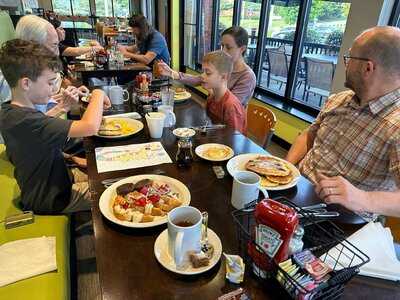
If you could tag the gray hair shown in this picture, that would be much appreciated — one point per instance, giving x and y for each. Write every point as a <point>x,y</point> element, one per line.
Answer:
<point>383,47</point>
<point>32,28</point>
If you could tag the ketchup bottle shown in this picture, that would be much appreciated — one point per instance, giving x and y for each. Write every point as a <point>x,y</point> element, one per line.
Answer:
<point>275,225</point>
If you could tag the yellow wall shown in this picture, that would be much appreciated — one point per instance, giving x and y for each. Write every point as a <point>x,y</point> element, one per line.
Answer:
<point>175,23</point>
<point>287,127</point>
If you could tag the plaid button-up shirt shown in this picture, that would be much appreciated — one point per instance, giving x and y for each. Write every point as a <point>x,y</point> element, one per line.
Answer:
<point>360,143</point>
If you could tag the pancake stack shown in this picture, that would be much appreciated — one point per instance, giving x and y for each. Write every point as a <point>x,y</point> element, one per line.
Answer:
<point>273,172</point>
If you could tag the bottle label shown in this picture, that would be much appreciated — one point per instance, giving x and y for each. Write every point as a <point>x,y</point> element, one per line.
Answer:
<point>268,239</point>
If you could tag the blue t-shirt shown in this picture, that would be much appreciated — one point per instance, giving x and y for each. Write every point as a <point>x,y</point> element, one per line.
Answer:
<point>158,45</point>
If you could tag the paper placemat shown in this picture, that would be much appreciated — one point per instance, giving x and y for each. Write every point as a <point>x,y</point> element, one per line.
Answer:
<point>130,156</point>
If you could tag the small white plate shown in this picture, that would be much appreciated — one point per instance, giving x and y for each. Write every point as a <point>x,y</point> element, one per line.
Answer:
<point>202,149</point>
<point>163,257</point>
<point>182,96</point>
<point>238,163</point>
<point>108,196</point>
<point>183,132</point>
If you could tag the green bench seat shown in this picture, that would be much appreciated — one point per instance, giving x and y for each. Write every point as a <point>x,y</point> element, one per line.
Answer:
<point>52,285</point>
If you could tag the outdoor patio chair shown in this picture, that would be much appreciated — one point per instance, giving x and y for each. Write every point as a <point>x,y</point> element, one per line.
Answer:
<point>319,75</point>
<point>278,66</point>
<point>260,124</point>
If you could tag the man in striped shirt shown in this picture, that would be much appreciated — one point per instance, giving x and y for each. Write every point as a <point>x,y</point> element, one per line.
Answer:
<point>352,150</point>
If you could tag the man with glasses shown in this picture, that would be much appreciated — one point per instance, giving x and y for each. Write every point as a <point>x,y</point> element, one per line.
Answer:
<point>352,150</point>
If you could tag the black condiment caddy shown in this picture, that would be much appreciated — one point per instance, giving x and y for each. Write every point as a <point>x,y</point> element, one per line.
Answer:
<point>320,236</point>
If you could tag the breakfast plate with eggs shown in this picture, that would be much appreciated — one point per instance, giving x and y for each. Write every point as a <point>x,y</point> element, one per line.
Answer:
<point>181,95</point>
<point>112,128</point>
<point>214,152</point>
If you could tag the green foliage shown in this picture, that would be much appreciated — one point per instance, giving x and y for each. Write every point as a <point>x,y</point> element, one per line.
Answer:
<point>226,5</point>
<point>320,11</point>
<point>335,38</point>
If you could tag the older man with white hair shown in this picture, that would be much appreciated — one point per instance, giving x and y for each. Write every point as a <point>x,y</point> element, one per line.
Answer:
<point>352,150</point>
<point>34,28</point>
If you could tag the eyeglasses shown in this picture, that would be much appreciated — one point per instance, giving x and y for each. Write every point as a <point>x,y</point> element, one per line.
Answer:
<point>346,58</point>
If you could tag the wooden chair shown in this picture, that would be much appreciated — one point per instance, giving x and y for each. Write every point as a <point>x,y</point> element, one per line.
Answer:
<point>260,124</point>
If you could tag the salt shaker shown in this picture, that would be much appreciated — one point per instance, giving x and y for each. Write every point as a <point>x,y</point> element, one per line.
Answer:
<point>296,243</point>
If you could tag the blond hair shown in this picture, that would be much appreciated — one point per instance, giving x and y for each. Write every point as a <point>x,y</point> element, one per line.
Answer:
<point>220,60</point>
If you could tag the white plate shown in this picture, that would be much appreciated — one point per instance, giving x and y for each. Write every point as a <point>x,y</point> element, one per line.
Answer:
<point>200,151</point>
<point>107,198</point>
<point>238,163</point>
<point>182,96</point>
<point>183,132</point>
<point>163,257</point>
<point>137,125</point>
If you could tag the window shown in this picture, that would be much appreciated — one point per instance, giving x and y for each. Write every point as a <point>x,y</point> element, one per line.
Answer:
<point>205,29</point>
<point>80,7</point>
<point>62,7</point>
<point>319,51</point>
<point>250,20</point>
<point>73,7</point>
<point>121,8</point>
<point>278,48</point>
<point>189,33</point>
<point>294,62</point>
<point>225,18</point>
<point>104,8</point>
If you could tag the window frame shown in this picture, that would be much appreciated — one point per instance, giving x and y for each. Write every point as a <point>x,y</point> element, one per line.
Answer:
<point>302,19</point>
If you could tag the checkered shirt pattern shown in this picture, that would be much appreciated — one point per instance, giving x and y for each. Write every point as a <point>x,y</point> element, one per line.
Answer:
<point>360,143</point>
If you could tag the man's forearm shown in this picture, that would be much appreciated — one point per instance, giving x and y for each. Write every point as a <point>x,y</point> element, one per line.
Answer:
<point>383,203</point>
<point>299,148</point>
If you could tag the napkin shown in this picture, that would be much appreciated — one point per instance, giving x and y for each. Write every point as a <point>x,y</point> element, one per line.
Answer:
<point>26,258</point>
<point>131,115</point>
<point>375,241</point>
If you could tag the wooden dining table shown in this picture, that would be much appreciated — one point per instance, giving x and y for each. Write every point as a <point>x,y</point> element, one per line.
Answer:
<point>126,263</point>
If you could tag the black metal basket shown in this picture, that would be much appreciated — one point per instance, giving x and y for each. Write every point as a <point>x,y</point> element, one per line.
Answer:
<point>323,238</point>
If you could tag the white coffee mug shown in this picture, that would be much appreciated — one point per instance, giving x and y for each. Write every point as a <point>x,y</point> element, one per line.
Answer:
<point>155,123</point>
<point>118,95</point>
<point>170,118</point>
<point>245,188</point>
<point>184,233</point>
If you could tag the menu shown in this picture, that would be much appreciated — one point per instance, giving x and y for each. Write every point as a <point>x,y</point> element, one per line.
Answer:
<point>130,156</point>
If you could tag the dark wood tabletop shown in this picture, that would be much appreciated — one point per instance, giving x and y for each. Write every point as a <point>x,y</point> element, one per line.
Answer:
<point>129,69</point>
<point>125,257</point>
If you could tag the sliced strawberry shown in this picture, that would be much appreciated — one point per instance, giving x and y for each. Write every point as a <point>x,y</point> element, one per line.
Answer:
<point>154,198</point>
<point>140,202</point>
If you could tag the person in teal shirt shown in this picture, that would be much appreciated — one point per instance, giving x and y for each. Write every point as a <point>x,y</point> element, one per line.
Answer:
<point>150,46</point>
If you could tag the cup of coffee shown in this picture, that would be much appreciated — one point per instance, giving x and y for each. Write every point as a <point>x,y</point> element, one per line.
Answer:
<point>155,123</point>
<point>170,118</point>
<point>184,233</point>
<point>118,95</point>
<point>245,188</point>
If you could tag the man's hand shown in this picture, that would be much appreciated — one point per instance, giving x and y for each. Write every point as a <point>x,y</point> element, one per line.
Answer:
<point>340,191</point>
